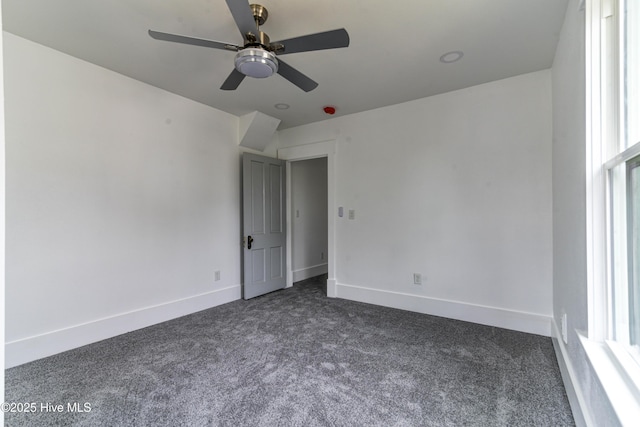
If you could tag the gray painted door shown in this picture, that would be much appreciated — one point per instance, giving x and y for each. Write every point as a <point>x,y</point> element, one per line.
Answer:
<point>264,227</point>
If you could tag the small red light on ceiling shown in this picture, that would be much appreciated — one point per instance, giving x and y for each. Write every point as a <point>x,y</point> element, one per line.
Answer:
<point>329,110</point>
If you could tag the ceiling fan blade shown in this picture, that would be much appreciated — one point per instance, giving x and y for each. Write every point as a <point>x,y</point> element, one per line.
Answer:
<point>241,12</point>
<point>233,81</point>
<point>318,41</point>
<point>296,77</point>
<point>193,41</point>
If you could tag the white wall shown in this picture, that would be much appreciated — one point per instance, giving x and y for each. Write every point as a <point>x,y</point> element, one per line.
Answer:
<point>2,216</point>
<point>309,218</point>
<point>569,221</point>
<point>121,203</point>
<point>456,187</point>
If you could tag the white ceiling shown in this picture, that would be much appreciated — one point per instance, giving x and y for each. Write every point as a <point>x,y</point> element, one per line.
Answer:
<point>393,56</point>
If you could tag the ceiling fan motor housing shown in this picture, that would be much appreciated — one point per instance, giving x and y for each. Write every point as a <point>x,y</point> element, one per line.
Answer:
<point>256,59</point>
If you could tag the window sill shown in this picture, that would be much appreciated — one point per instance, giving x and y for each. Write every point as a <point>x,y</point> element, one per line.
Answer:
<point>618,373</point>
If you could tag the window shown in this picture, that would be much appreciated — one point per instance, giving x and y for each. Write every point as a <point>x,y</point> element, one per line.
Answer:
<point>612,56</point>
<point>633,221</point>
<point>621,147</point>
<point>624,252</point>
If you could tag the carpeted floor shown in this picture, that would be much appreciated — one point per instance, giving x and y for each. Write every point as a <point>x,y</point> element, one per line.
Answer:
<point>298,358</point>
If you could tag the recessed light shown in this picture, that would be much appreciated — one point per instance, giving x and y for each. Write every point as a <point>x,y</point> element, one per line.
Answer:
<point>282,106</point>
<point>450,57</point>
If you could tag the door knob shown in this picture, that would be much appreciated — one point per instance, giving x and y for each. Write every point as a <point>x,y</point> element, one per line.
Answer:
<point>249,242</point>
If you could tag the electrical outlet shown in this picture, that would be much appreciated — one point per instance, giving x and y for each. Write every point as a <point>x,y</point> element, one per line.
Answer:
<point>565,337</point>
<point>352,214</point>
<point>322,255</point>
<point>217,275</point>
<point>417,279</point>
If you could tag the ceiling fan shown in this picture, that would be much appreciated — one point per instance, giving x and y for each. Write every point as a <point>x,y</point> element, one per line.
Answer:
<point>257,56</point>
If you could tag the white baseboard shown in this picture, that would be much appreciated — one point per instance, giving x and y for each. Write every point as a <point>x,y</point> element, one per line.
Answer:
<point>32,348</point>
<point>313,271</point>
<point>574,394</point>
<point>509,319</point>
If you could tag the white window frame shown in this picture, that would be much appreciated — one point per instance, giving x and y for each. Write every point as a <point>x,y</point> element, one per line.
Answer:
<point>617,370</point>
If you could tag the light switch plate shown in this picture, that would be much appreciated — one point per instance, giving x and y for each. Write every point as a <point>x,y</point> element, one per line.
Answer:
<point>417,279</point>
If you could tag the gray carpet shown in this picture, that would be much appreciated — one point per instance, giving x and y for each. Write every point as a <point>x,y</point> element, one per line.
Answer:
<point>298,358</point>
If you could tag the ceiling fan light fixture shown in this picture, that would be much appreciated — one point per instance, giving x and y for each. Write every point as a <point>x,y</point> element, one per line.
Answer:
<point>256,62</point>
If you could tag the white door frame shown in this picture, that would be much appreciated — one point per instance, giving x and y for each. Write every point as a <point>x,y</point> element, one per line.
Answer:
<point>305,152</point>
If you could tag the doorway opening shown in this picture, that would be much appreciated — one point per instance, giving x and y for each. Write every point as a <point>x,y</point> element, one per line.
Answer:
<point>324,150</point>
<point>309,219</point>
